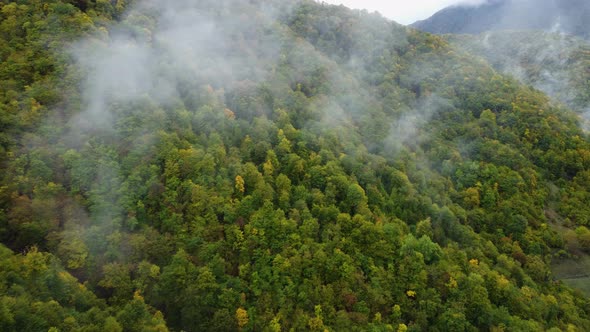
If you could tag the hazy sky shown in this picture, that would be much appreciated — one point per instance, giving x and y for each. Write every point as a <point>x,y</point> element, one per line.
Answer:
<point>402,11</point>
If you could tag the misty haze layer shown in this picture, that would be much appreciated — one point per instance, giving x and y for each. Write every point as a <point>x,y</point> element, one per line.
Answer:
<point>163,51</point>
<point>172,54</point>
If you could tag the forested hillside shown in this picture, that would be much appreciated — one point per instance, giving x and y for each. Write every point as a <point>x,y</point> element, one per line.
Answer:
<point>556,64</point>
<point>274,166</point>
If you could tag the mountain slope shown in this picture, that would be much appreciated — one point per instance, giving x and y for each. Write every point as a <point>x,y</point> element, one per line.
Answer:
<point>280,165</point>
<point>567,16</point>
<point>553,63</point>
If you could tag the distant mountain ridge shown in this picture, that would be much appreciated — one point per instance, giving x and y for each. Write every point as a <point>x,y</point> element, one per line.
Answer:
<point>568,16</point>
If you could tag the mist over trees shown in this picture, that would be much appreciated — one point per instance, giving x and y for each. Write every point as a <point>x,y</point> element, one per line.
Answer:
<point>564,16</point>
<point>276,166</point>
<point>556,64</point>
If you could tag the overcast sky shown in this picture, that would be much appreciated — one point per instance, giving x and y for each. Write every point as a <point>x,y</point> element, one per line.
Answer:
<point>402,11</point>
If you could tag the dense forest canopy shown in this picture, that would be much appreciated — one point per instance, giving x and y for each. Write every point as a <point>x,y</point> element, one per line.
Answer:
<point>276,166</point>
